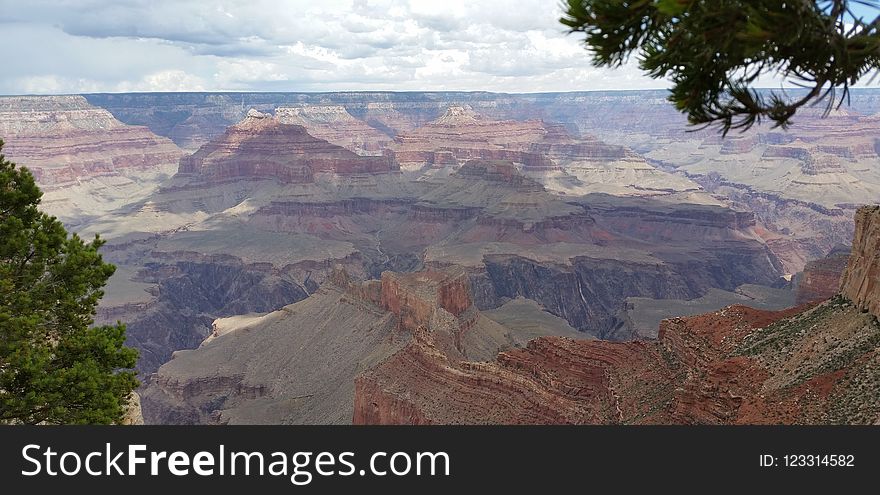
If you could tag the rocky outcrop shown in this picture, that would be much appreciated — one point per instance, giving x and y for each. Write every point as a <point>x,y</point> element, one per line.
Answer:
<point>292,366</point>
<point>861,280</point>
<point>63,139</point>
<point>261,146</point>
<point>133,414</point>
<point>812,364</point>
<point>85,160</point>
<point>460,135</point>
<point>501,171</point>
<point>820,279</point>
<point>727,367</point>
<point>334,124</point>
<point>299,364</point>
<point>413,298</point>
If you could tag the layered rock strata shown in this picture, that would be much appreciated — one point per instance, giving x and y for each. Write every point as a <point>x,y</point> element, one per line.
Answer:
<point>728,367</point>
<point>86,162</point>
<point>809,364</point>
<point>263,147</point>
<point>820,279</point>
<point>298,364</point>
<point>334,124</point>
<point>292,366</point>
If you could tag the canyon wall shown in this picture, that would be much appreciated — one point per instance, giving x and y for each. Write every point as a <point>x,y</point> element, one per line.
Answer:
<point>830,162</point>
<point>821,278</point>
<point>727,367</point>
<point>86,161</point>
<point>861,280</point>
<point>815,363</point>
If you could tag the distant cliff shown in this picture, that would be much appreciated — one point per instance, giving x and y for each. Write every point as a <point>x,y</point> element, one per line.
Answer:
<point>820,278</point>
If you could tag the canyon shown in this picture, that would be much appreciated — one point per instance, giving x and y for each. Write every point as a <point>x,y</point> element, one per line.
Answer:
<point>449,243</point>
<point>256,219</point>
<point>771,173</point>
<point>814,363</point>
<point>426,355</point>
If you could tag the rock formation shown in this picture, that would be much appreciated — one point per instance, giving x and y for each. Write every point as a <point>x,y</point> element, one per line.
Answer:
<point>293,366</point>
<point>133,414</point>
<point>261,146</point>
<point>335,125</point>
<point>803,191</point>
<point>820,279</point>
<point>85,160</point>
<point>735,366</point>
<point>859,282</point>
<point>809,364</point>
<point>298,364</point>
<point>545,152</point>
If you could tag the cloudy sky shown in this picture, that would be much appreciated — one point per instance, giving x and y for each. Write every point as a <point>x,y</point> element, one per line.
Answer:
<point>77,46</point>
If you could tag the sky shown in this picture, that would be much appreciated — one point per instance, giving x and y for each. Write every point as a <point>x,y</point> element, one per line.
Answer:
<point>83,46</point>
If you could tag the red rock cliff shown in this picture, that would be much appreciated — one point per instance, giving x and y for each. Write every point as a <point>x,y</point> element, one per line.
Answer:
<point>63,140</point>
<point>414,297</point>
<point>262,147</point>
<point>810,364</point>
<point>820,278</point>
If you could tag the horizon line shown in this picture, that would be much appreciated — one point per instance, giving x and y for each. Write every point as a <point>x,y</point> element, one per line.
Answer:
<point>367,91</point>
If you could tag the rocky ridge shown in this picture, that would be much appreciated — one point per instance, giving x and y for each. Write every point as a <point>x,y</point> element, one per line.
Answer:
<point>275,368</point>
<point>821,278</point>
<point>334,124</point>
<point>86,161</point>
<point>261,146</point>
<point>809,364</point>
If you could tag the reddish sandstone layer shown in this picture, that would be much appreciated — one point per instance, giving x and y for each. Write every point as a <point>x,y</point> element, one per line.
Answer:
<point>809,364</point>
<point>414,297</point>
<point>63,139</point>
<point>820,279</point>
<point>696,373</point>
<point>262,147</point>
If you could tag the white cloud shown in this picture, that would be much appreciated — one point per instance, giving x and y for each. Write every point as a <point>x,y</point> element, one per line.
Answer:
<point>290,45</point>
<point>166,80</point>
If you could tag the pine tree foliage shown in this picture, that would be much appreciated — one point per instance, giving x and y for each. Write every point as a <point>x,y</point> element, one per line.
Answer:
<point>714,51</point>
<point>55,366</point>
